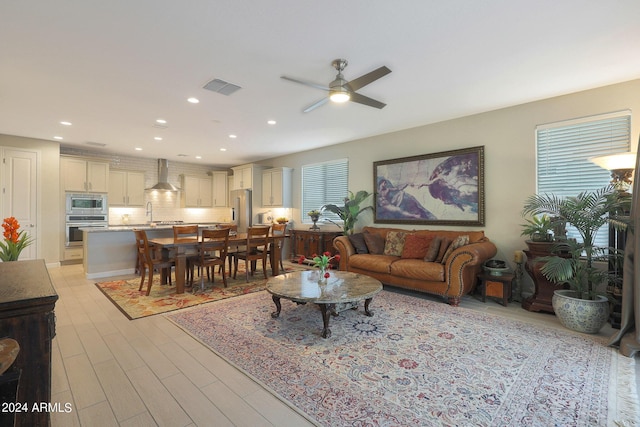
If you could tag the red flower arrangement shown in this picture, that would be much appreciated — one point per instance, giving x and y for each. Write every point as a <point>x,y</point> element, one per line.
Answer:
<point>323,262</point>
<point>14,241</point>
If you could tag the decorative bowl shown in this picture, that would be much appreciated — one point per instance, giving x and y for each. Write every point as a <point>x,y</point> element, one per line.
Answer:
<point>496,267</point>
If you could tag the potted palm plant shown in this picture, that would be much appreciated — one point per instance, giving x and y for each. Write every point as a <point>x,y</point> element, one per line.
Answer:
<point>580,307</point>
<point>350,211</point>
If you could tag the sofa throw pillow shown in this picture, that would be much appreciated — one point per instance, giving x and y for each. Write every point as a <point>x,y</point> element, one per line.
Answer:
<point>375,243</point>
<point>432,251</point>
<point>416,246</point>
<point>458,242</point>
<point>394,243</point>
<point>357,240</point>
<point>444,245</point>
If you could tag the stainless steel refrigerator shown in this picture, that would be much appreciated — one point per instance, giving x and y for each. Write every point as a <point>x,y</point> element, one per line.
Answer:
<point>240,201</point>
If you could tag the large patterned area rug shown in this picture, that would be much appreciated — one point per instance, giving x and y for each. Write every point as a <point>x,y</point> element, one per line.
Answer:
<point>135,304</point>
<point>417,362</point>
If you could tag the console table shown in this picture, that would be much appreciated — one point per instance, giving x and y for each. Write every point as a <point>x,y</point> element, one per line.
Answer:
<point>309,242</point>
<point>27,301</point>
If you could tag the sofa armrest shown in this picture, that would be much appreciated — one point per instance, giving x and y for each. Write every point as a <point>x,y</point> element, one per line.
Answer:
<point>345,249</point>
<point>465,263</point>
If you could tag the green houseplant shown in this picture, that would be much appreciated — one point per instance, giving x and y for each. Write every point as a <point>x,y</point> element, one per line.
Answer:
<point>587,212</point>
<point>350,211</point>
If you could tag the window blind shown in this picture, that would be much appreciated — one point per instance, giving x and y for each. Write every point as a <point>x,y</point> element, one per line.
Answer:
<point>324,183</point>
<point>564,150</point>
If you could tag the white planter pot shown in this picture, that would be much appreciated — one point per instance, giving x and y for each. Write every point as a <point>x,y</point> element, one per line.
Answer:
<point>581,315</point>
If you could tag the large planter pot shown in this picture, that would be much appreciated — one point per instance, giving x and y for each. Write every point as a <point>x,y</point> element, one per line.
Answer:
<point>581,315</point>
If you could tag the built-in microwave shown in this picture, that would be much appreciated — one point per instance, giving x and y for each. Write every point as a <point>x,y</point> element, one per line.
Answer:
<point>86,204</point>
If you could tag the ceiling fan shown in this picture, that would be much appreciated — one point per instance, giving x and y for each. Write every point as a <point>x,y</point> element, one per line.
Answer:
<point>341,90</point>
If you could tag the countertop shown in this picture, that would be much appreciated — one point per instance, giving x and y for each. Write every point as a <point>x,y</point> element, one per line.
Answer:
<point>130,227</point>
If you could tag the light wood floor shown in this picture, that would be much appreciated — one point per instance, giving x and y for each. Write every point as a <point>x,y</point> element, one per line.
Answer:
<point>147,372</point>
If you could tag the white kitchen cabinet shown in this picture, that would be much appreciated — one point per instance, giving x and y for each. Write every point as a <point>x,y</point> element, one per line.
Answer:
<point>242,177</point>
<point>83,175</point>
<point>126,188</point>
<point>220,191</point>
<point>248,177</point>
<point>276,187</point>
<point>197,192</point>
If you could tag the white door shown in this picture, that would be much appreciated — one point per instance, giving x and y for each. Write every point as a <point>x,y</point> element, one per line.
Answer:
<point>19,193</point>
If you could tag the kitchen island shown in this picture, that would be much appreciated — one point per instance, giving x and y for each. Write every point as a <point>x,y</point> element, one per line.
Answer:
<point>112,251</point>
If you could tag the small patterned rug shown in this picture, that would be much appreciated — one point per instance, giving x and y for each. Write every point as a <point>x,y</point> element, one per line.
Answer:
<point>135,304</point>
<point>418,362</point>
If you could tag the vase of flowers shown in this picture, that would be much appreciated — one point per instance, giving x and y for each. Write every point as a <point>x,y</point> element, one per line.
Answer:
<point>323,262</point>
<point>14,240</point>
<point>314,215</point>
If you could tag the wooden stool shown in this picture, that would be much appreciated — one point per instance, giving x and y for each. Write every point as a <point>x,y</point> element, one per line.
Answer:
<point>496,286</point>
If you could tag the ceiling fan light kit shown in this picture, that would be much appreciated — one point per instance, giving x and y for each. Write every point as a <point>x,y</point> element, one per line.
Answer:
<point>341,90</point>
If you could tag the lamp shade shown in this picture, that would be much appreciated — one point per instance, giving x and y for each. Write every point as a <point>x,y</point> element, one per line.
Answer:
<point>616,161</point>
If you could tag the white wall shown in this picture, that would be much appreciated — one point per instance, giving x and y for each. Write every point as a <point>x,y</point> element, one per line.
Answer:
<point>509,139</point>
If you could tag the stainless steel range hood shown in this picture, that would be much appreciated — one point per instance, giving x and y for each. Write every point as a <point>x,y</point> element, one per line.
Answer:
<point>163,175</point>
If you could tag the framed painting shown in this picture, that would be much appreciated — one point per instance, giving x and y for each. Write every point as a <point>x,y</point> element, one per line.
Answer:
<point>444,188</point>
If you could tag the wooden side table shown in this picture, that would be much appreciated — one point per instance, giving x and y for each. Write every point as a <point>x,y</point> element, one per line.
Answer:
<point>496,286</point>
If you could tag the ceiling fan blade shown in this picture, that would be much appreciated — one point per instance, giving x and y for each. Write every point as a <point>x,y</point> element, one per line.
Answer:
<point>365,100</point>
<point>306,83</point>
<point>316,105</point>
<point>365,79</point>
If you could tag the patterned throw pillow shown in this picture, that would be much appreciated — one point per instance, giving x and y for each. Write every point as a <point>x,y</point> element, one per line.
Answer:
<point>416,246</point>
<point>457,243</point>
<point>444,245</point>
<point>394,243</point>
<point>434,248</point>
<point>375,243</point>
<point>357,240</point>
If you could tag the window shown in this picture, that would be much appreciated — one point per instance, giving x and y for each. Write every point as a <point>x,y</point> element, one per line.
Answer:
<point>324,183</point>
<point>564,150</point>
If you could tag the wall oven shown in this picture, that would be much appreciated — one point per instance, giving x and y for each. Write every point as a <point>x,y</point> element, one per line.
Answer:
<point>86,204</point>
<point>76,223</point>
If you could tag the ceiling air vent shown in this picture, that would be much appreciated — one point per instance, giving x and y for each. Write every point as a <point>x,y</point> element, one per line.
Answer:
<point>96,144</point>
<point>220,86</point>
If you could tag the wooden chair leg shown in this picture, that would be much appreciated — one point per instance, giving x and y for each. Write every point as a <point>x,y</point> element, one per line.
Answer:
<point>224,276</point>
<point>143,271</point>
<point>150,281</point>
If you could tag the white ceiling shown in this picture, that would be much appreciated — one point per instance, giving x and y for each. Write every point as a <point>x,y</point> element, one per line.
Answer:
<point>113,67</point>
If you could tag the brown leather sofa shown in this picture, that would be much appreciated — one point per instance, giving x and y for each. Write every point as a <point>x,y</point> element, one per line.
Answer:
<point>452,279</point>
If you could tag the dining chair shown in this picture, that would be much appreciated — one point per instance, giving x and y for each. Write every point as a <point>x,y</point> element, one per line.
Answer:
<point>151,260</point>
<point>183,232</point>
<point>212,251</point>
<point>233,230</point>
<point>276,245</point>
<point>255,250</point>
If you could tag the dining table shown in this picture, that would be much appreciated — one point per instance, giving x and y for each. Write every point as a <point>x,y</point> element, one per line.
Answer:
<point>180,247</point>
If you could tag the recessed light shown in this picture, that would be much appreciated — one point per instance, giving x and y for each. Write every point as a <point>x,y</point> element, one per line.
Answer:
<point>198,157</point>
<point>271,122</point>
<point>193,100</point>
<point>65,123</point>
<point>138,149</point>
<point>157,138</point>
<point>223,149</point>
<point>57,137</point>
<point>161,121</point>
<point>232,136</point>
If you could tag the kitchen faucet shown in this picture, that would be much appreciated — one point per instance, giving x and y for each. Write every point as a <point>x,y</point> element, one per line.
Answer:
<point>149,211</point>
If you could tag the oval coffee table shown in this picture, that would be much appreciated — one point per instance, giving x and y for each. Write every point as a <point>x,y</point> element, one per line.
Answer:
<point>341,291</point>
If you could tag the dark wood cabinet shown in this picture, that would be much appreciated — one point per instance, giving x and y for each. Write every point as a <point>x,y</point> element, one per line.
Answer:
<point>27,302</point>
<point>310,242</point>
